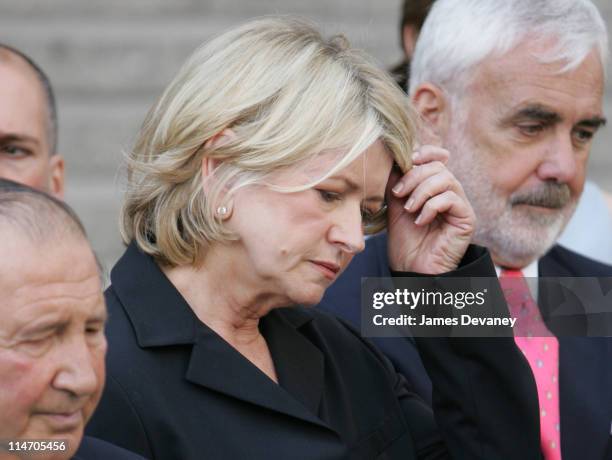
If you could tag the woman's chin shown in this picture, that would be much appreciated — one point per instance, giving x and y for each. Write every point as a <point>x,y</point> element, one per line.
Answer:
<point>310,297</point>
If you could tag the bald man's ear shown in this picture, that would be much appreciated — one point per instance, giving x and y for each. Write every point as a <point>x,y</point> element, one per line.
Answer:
<point>432,104</point>
<point>409,38</point>
<point>56,176</point>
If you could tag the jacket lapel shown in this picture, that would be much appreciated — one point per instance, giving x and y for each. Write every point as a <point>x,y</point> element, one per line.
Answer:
<point>300,365</point>
<point>585,377</point>
<point>216,365</point>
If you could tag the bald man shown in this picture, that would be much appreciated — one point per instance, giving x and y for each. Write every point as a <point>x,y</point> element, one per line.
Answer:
<point>52,343</point>
<point>28,125</point>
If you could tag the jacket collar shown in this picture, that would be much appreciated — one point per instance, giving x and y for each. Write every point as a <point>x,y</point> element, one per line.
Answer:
<point>551,264</point>
<point>151,301</point>
<point>160,316</point>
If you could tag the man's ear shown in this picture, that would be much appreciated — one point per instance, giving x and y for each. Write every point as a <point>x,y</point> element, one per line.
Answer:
<point>432,104</point>
<point>56,176</point>
<point>409,38</point>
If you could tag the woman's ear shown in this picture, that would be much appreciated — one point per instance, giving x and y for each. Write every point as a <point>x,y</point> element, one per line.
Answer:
<point>432,104</point>
<point>223,209</point>
<point>210,164</point>
<point>222,137</point>
<point>208,167</point>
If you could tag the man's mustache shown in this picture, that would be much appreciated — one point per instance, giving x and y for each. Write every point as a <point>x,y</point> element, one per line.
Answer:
<point>549,195</point>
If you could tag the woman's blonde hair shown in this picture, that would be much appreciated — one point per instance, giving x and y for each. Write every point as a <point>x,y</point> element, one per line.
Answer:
<point>287,93</point>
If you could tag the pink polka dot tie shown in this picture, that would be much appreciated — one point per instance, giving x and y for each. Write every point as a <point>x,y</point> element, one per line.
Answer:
<point>541,349</point>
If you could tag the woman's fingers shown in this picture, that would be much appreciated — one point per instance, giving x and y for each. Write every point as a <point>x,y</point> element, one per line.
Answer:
<point>433,185</point>
<point>445,203</point>
<point>415,176</point>
<point>426,161</point>
<point>428,153</point>
<point>431,193</point>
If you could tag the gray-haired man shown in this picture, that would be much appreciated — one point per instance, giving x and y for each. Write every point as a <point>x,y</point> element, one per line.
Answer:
<point>514,88</point>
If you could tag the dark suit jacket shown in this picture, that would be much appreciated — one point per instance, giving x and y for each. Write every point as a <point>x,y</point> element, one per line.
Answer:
<point>96,449</point>
<point>176,390</point>
<point>585,364</point>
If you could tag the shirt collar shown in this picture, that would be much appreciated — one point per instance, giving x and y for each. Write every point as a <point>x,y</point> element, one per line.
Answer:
<point>531,272</point>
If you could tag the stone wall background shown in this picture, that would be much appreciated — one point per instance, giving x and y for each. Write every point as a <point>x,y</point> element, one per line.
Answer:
<point>109,59</point>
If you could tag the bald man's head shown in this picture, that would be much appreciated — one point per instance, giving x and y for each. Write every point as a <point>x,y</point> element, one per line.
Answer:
<point>36,215</point>
<point>28,124</point>
<point>9,54</point>
<point>52,343</point>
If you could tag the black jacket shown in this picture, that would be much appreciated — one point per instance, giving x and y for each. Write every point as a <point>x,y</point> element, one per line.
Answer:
<point>176,390</point>
<point>96,449</point>
<point>585,364</point>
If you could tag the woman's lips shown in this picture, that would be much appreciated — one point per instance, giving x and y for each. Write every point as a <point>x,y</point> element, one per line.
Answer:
<point>329,269</point>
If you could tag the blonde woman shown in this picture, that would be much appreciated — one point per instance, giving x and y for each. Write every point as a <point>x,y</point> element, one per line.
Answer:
<point>251,185</point>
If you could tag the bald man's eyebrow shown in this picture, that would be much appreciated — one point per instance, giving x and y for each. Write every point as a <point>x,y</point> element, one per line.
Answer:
<point>43,327</point>
<point>11,137</point>
<point>99,317</point>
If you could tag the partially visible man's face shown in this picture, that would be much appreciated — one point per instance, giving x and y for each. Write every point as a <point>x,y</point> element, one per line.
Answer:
<point>521,147</point>
<point>25,150</point>
<point>52,343</point>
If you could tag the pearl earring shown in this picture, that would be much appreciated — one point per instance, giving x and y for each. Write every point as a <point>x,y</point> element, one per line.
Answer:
<point>222,210</point>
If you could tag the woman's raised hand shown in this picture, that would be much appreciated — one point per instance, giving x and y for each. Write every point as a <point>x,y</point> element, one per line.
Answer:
<point>430,219</point>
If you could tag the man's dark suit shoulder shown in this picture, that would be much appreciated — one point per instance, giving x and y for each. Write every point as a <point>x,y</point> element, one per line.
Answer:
<point>97,449</point>
<point>560,261</point>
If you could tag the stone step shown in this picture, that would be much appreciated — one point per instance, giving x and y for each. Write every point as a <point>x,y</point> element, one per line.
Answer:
<point>125,59</point>
<point>139,9</point>
<point>93,136</point>
<point>97,203</point>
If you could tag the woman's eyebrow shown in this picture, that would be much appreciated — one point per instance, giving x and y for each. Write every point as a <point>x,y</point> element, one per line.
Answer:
<point>350,185</point>
<point>354,187</point>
